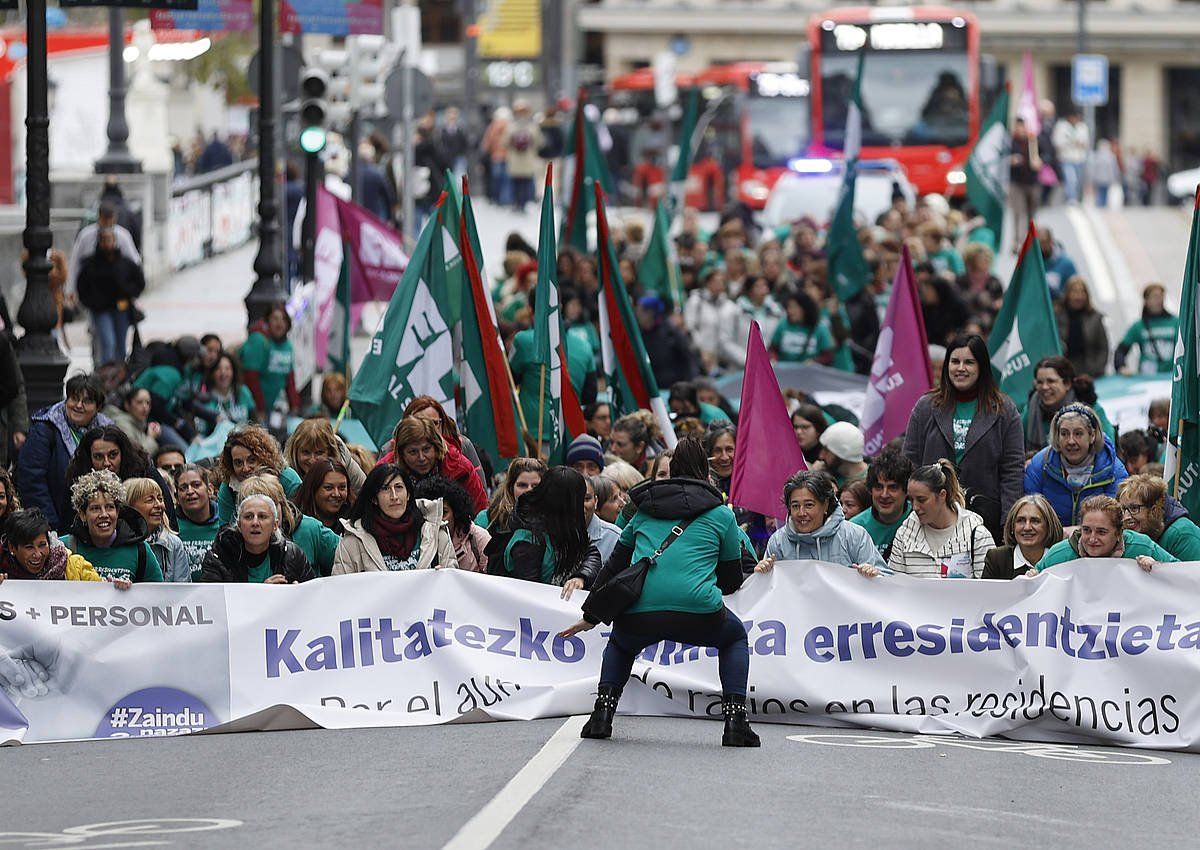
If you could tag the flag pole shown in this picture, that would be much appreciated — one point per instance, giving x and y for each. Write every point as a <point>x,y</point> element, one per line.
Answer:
<point>512,385</point>
<point>1179,436</point>
<point>541,410</point>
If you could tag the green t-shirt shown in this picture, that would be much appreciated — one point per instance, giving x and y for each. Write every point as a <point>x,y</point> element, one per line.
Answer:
<point>260,572</point>
<point>116,561</point>
<point>318,542</point>
<point>1182,539</point>
<point>882,534</point>
<point>237,408</point>
<point>1136,544</point>
<point>162,381</point>
<point>524,535</point>
<point>481,519</point>
<point>797,343</point>
<point>227,499</point>
<point>947,260</point>
<point>272,360</point>
<point>842,358</point>
<point>1155,341</point>
<point>685,577</point>
<point>964,412</point>
<point>197,540</point>
<point>711,413</point>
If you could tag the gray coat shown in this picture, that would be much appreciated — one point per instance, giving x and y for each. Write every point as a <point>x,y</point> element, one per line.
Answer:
<point>993,465</point>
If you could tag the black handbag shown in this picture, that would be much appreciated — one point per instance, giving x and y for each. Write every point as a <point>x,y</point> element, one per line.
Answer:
<point>610,600</point>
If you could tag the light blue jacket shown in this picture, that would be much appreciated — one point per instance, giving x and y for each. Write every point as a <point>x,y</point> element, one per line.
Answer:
<point>837,541</point>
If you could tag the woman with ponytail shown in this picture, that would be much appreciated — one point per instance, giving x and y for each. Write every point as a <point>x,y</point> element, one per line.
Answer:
<point>940,538</point>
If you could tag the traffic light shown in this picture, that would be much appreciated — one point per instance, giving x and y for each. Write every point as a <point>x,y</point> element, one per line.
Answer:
<point>314,110</point>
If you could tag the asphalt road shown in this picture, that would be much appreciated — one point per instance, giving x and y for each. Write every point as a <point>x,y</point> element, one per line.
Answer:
<point>658,783</point>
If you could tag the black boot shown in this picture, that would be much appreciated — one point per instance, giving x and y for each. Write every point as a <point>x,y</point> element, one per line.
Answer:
<point>737,729</point>
<point>599,725</point>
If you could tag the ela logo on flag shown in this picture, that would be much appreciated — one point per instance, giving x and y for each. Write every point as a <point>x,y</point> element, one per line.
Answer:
<point>1013,355</point>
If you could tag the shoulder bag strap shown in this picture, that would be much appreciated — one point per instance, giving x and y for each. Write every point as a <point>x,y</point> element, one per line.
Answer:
<point>675,534</point>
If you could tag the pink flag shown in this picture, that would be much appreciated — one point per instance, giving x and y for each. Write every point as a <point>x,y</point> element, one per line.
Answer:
<point>326,270</point>
<point>768,453</point>
<point>1027,103</point>
<point>377,256</point>
<point>900,372</point>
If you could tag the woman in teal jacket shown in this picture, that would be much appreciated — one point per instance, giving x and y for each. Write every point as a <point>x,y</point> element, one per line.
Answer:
<point>1100,536</point>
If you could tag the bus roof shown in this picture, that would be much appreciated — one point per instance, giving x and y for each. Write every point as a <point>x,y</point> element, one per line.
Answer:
<point>879,14</point>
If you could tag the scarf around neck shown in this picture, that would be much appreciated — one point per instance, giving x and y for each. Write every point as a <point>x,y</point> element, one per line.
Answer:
<point>397,537</point>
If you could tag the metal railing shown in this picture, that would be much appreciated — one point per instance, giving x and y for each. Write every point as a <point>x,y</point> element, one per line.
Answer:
<point>211,214</point>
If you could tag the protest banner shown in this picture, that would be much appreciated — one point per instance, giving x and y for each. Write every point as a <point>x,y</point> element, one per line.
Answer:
<point>1093,651</point>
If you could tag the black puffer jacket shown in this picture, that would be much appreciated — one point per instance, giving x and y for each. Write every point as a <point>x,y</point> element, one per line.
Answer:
<point>674,499</point>
<point>225,561</point>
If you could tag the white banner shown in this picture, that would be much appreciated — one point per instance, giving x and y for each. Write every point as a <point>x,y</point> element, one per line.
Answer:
<point>1092,651</point>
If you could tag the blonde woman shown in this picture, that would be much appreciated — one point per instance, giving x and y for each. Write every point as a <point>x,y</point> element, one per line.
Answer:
<point>1030,529</point>
<point>314,440</point>
<point>146,497</point>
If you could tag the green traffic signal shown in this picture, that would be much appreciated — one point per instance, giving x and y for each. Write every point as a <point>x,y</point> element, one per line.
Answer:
<point>312,139</point>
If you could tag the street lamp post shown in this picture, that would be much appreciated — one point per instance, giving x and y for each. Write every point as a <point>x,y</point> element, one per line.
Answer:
<point>117,159</point>
<point>42,362</point>
<point>267,267</point>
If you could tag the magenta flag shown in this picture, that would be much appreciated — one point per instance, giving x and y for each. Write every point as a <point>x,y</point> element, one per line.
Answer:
<point>377,256</point>
<point>326,270</point>
<point>900,372</point>
<point>768,453</point>
<point>1027,105</point>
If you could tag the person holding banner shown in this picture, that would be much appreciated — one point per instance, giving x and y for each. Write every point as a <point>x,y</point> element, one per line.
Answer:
<point>1148,509</point>
<point>146,497</point>
<point>940,538</point>
<point>549,542</point>
<point>966,417</point>
<point>816,528</point>
<point>1100,535</point>
<point>1079,462</point>
<point>684,524</point>
<point>391,531</point>
<point>29,554</point>
<point>315,540</point>
<point>108,533</point>
<point>198,521</point>
<point>1030,529</point>
<point>253,550</point>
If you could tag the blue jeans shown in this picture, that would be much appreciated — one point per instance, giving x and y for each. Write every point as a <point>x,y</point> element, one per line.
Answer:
<point>1101,195</point>
<point>722,630</point>
<point>501,185</point>
<point>112,332</point>
<point>1072,181</point>
<point>522,191</point>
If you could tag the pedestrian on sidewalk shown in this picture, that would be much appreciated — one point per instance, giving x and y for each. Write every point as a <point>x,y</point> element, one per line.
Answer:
<point>1024,189</point>
<point>1106,170</point>
<point>523,139</point>
<point>108,283</point>
<point>1072,143</point>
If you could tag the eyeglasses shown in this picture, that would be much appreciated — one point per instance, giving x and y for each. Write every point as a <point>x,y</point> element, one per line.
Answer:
<point>1132,509</point>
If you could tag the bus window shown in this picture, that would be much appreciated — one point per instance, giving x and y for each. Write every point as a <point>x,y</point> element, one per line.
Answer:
<point>778,129</point>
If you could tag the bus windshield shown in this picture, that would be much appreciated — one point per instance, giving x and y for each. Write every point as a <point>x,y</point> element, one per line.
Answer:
<point>779,129</point>
<point>910,97</point>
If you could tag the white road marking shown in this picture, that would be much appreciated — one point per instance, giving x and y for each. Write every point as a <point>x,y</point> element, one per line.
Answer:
<point>1101,281</point>
<point>480,831</point>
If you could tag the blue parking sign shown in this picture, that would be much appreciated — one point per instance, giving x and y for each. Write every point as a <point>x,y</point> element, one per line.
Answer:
<point>1089,79</point>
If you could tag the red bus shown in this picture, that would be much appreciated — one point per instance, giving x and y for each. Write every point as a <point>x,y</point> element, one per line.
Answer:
<point>754,121</point>
<point>920,88</point>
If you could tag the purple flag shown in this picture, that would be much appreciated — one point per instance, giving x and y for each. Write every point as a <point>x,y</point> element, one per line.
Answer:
<point>327,269</point>
<point>1027,104</point>
<point>900,372</point>
<point>768,453</point>
<point>377,256</point>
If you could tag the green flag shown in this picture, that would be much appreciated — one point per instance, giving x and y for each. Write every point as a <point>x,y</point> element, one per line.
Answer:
<point>558,406</point>
<point>987,167</point>
<point>451,299</point>
<point>1183,452</point>
<point>590,168</point>
<point>488,405</point>
<point>848,269</point>
<point>658,270</point>
<point>1026,329</point>
<point>677,190</point>
<point>411,353</point>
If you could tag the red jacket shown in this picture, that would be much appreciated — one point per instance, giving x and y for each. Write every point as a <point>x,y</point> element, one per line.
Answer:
<point>456,467</point>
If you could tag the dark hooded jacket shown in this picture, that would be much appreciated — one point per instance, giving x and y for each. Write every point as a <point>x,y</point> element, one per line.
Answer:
<point>131,533</point>
<point>226,562</point>
<point>676,499</point>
